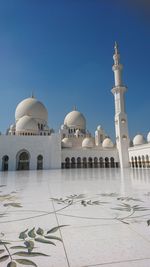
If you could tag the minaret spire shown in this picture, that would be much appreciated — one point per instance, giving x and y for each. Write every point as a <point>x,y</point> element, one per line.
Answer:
<point>116,56</point>
<point>121,124</point>
<point>116,47</point>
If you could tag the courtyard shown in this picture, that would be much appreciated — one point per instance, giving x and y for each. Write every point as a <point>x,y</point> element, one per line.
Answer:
<point>75,218</point>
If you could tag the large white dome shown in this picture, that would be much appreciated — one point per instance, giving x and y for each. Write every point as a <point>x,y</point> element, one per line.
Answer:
<point>26,123</point>
<point>33,108</point>
<point>138,140</point>
<point>75,119</point>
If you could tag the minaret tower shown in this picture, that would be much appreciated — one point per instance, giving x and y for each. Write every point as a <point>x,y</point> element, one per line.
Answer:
<point>121,124</point>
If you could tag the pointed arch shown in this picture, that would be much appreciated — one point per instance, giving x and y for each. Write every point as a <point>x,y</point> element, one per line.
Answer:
<point>5,163</point>
<point>78,162</point>
<point>23,160</point>
<point>112,162</point>
<point>39,162</point>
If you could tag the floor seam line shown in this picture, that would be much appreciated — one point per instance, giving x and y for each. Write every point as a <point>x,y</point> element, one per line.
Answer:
<point>114,262</point>
<point>61,235</point>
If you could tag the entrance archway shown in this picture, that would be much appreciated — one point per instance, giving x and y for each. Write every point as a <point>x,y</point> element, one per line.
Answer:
<point>23,161</point>
<point>5,161</point>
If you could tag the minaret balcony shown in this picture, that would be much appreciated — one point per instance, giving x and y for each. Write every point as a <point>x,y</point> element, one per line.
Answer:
<point>118,89</point>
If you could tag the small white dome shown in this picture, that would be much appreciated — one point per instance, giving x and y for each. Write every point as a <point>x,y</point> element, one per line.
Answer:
<point>66,143</point>
<point>107,143</point>
<point>63,127</point>
<point>26,123</point>
<point>148,137</point>
<point>75,119</point>
<point>138,140</point>
<point>87,142</point>
<point>33,108</point>
<point>12,127</point>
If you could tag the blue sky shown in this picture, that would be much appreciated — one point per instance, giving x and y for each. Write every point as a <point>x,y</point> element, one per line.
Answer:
<point>62,50</point>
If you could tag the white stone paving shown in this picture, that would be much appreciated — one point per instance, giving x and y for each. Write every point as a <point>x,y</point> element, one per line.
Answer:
<point>106,213</point>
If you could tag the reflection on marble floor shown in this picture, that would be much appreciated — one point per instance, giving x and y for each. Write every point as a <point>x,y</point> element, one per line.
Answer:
<point>76,218</point>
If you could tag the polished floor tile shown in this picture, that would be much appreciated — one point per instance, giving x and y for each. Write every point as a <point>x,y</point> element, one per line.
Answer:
<point>75,218</point>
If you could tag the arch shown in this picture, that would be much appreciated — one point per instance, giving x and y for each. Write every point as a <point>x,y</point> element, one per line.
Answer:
<point>95,159</point>
<point>106,162</point>
<point>135,160</point>
<point>147,161</point>
<point>101,162</point>
<point>39,162</point>
<point>67,163</point>
<point>23,160</point>
<point>95,162</point>
<point>73,162</point>
<point>132,162</point>
<point>5,163</point>
<point>84,162</point>
<point>112,162</point>
<point>139,162</point>
<point>143,161</point>
<point>78,162</point>
<point>90,163</point>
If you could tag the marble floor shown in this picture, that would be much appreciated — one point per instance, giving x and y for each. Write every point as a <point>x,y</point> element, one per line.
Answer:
<point>75,218</point>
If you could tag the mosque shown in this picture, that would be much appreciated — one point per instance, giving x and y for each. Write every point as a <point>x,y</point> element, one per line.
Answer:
<point>30,144</point>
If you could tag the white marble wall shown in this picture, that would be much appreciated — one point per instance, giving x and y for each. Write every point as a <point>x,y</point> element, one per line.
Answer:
<point>48,146</point>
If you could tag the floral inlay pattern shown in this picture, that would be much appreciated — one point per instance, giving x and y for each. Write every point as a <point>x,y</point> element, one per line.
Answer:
<point>121,209</point>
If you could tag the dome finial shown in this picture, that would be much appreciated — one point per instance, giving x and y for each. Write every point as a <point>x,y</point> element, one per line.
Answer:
<point>74,107</point>
<point>32,94</point>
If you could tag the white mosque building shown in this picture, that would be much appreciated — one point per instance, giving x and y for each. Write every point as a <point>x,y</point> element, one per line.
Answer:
<point>30,144</point>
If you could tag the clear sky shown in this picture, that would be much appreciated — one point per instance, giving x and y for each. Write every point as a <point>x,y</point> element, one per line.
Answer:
<point>62,50</point>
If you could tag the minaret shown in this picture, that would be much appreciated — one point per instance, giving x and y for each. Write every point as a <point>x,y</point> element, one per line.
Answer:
<point>121,123</point>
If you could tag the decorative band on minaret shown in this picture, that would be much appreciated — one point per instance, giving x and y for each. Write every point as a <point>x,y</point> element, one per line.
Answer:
<point>121,124</point>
